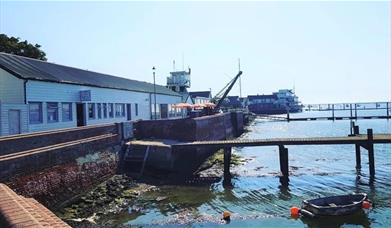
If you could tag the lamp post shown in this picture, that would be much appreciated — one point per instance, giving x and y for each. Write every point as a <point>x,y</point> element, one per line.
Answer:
<point>154,92</point>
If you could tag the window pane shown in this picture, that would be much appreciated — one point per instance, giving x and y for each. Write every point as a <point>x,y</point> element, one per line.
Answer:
<point>91,110</point>
<point>111,110</point>
<point>66,111</point>
<point>122,109</point>
<point>99,111</point>
<point>52,110</point>
<point>119,110</point>
<point>136,109</point>
<point>35,112</point>
<point>104,110</point>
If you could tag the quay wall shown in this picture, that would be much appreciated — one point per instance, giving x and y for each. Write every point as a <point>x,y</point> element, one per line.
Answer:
<point>55,166</point>
<point>57,185</point>
<point>215,127</point>
<point>183,162</point>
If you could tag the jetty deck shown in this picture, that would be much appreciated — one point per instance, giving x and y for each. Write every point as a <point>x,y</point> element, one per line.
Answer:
<point>365,141</point>
<point>357,139</point>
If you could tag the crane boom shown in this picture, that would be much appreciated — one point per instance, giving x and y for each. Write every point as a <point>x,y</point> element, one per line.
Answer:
<point>218,99</point>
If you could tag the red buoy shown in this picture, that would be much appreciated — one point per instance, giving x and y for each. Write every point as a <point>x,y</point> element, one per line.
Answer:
<point>366,205</point>
<point>295,212</point>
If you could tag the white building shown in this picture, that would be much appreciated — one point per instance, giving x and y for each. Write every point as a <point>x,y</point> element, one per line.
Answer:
<point>37,95</point>
<point>201,97</point>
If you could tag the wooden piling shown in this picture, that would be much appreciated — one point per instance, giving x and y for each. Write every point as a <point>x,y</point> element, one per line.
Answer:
<point>332,111</point>
<point>284,166</point>
<point>287,115</point>
<point>227,164</point>
<point>351,111</point>
<point>371,157</point>
<point>356,131</point>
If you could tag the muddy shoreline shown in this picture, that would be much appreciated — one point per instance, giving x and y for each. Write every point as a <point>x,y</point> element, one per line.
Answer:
<point>122,196</point>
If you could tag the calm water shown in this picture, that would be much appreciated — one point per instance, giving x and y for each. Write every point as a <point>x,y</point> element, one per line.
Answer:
<point>258,200</point>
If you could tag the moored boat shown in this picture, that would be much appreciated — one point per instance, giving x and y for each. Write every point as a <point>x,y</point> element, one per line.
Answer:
<point>334,205</point>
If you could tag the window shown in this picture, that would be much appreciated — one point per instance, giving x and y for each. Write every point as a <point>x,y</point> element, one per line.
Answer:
<point>136,109</point>
<point>35,112</point>
<point>52,109</point>
<point>105,110</point>
<point>119,110</point>
<point>66,112</point>
<point>99,111</point>
<point>91,110</point>
<point>111,110</point>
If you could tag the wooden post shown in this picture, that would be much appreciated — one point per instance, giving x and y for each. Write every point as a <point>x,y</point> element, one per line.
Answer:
<point>356,131</point>
<point>227,163</point>
<point>351,111</point>
<point>371,157</point>
<point>332,111</point>
<point>284,166</point>
<point>287,115</point>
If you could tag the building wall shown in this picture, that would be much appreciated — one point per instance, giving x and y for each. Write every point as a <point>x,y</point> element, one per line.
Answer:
<point>44,92</point>
<point>4,110</point>
<point>11,88</point>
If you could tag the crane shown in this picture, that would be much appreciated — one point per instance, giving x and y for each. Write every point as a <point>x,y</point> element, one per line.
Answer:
<point>222,94</point>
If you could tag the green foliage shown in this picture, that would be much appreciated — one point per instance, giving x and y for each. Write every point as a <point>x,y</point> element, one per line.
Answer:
<point>13,45</point>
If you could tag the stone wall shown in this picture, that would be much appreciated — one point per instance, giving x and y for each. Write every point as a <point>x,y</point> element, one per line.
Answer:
<point>56,185</point>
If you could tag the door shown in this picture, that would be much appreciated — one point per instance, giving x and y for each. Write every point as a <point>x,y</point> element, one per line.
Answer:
<point>164,111</point>
<point>80,115</point>
<point>14,122</point>
<point>129,111</point>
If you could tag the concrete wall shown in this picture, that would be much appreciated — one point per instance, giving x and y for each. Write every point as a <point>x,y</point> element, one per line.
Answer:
<point>11,88</point>
<point>24,142</point>
<point>216,127</point>
<point>179,162</point>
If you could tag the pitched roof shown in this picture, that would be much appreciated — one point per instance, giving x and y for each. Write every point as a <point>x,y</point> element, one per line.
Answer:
<point>32,69</point>
<point>206,94</point>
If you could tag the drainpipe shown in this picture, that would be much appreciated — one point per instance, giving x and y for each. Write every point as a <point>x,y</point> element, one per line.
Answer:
<point>25,90</point>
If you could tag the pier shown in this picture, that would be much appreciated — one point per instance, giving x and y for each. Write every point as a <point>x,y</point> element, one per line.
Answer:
<point>365,141</point>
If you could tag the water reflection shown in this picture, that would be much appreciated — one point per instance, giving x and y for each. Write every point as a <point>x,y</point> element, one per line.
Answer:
<point>359,218</point>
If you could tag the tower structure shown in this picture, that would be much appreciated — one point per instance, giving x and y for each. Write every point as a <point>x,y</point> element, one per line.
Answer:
<point>179,81</point>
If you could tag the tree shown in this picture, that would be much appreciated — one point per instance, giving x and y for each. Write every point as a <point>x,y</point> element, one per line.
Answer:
<point>13,45</point>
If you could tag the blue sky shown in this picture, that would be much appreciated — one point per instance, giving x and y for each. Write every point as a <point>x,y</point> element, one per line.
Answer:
<point>330,51</point>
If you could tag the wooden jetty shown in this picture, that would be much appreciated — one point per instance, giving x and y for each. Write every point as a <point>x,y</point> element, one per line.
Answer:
<point>359,140</point>
<point>352,107</point>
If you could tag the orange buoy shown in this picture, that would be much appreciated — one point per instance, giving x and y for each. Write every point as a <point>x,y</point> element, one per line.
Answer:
<point>226,215</point>
<point>295,211</point>
<point>365,204</point>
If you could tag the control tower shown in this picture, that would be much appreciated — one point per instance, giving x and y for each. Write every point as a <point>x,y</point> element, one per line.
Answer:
<point>179,81</point>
